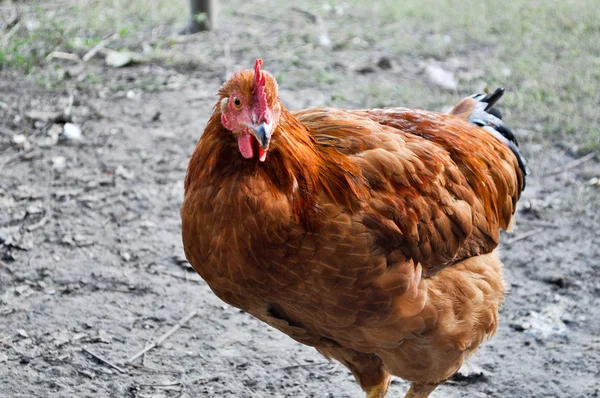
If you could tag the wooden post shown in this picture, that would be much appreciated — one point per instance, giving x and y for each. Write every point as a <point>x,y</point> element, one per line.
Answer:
<point>207,8</point>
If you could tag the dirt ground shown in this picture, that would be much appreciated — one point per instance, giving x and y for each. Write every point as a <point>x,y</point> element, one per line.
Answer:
<point>92,261</point>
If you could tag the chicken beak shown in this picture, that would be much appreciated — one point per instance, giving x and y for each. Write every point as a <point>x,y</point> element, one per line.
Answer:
<point>262,132</point>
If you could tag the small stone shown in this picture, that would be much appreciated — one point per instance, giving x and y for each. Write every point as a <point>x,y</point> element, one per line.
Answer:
<point>470,372</point>
<point>23,291</point>
<point>118,59</point>
<point>22,333</point>
<point>52,136</point>
<point>59,162</point>
<point>55,130</point>
<point>34,210</point>
<point>560,281</point>
<point>131,95</point>
<point>72,132</point>
<point>48,142</point>
<point>384,63</point>
<point>441,77</point>
<point>324,40</point>
<point>74,71</point>
<point>21,142</point>
<point>121,171</point>
<point>366,70</point>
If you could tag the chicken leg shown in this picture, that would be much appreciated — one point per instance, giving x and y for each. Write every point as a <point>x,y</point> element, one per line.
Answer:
<point>420,390</point>
<point>379,391</point>
<point>366,368</point>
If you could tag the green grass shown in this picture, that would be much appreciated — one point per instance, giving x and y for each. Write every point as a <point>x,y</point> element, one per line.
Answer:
<point>79,25</point>
<point>546,53</point>
<point>549,46</point>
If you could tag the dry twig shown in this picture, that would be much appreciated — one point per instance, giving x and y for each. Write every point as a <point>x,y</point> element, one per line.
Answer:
<point>304,365</point>
<point>572,164</point>
<point>541,224</point>
<point>146,368</point>
<point>4,39</point>
<point>146,345</point>
<point>162,385</point>
<point>165,336</point>
<point>63,55</point>
<point>104,361</point>
<point>98,47</point>
<point>185,277</point>
<point>523,236</point>
<point>38,224</point>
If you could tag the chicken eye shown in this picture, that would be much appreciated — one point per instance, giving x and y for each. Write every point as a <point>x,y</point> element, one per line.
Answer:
<point>237,103</point>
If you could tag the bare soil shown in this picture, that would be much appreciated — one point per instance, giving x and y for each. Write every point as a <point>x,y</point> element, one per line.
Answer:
<point>92,259</point>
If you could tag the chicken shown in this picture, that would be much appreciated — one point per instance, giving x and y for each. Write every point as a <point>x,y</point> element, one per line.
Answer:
<point>369,235</point>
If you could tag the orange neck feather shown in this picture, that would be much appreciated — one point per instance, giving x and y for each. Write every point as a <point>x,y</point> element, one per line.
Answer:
<point>296,167</point>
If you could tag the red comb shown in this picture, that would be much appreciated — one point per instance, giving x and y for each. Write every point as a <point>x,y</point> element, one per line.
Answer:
<point>259,79</point>
<point>259,91</point>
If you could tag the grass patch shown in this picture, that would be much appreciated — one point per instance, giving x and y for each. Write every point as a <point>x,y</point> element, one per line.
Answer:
<point>543,51</point>
<point>78,25</point>
<point>549,48</point>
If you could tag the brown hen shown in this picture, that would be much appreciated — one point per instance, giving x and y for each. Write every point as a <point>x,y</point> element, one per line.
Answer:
<point>367,234</point>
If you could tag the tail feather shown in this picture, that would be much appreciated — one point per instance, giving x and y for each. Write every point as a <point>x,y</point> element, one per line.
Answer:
<point>491,99</point>
<point>481,112</point>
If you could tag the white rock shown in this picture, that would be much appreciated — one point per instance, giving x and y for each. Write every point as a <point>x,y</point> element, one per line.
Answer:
<point>118,59</point>
<point>55,130</point>
<point>324,40</point>
<point>121,171</point>
<point>6,202</point>
<point>72,132</point>
<point>441,77</point>
<point>22,333</point>
<point>131,95</point>
<point>21,142</point>
<point>59,162</point>
<point>52,138</point>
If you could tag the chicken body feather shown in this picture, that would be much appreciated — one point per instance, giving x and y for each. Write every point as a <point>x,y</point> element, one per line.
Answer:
<point>367,234</point>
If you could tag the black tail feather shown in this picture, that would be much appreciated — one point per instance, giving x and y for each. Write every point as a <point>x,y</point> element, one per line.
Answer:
<point>490,118</point>
<point>492,98</point>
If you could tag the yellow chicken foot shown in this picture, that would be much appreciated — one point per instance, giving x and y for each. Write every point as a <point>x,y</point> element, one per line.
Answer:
<point>378,391</point>
<point>420,390</point>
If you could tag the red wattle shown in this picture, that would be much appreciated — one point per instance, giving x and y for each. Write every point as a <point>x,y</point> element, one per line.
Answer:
<point>245,145</point>
<point>262,154</point>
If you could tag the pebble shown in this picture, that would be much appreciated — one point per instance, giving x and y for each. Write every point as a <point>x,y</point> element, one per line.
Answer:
<point>59,162</point>
<point>384,63</point>
<point>21,142</point>
<point>72,132</point>
<point>441,77</point>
